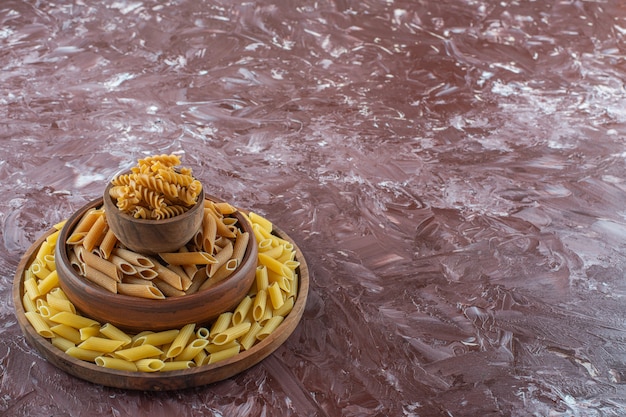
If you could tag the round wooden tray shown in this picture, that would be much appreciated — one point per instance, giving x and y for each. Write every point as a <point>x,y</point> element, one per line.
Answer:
<point>159,381</point>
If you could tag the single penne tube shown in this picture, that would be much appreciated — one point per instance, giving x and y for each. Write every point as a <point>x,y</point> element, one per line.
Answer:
<point>224,207</point>
<point>212,348</point>
<point>221,274</point>
<point>288,256</point>
<point>181,340</point>
<point>87,332</point>
<point>73,320</point>
<point>184,278</point>
<point>54,236</point>
<point>221,323</point>
<point>60,304</point>
<point>198,279</point>
<point>269,327</point>
<point>39,324</point>
<point>202,333</point>
<point>242,309</point>
<point>182,258</point>
<point>209,231</point>
<point>46,248</point>
<point>177,365</point>
<point>101,279</point>
<point>95,234</point>
<point>123,265</point>
<point>249,339</point>
<point>191,350</point>
<point>67,332</point>
<point>169,276</point>
<point>136,353</point>
<point>261,221</point>
<point>274,265</point>
<point>58,226</point>
<point>157,338</point>
<point>108,244</point>
<point>83,354</point>
<point>143,291</point>
<point>133,257</point>
<point>62,343</point>
<point>76,238</point>
<point>50,262</point>
<point>167,289</point>
<point>221,257</point>
<point>46,311</point>
<point>221,228</point>
<point>149,365</point>
<point>100,344</point>
<point>292,263</point>
<point>39,270</point>
<point>76,263</point>
<point>283,282</point>
<point>231,333</point>
<point>285,308</point>
<point>28,303</point>
<point>276,295</point>
<point>240,246</point>
<point>102,265</point>
<point>262,279</point>
<point>88,220</point>
<point>115,363</point>
<point>146,273</point>
<point>50,281</point>
<point>258,305</point>
<point>223,354</point>
<point>58,293</point>
<point>201,358</point>
<point>273,251</point>
<point>265,245</point>
<point>293,290</point>
<point>114,333</point>
<point>31,288</point>
<point>267,314</point>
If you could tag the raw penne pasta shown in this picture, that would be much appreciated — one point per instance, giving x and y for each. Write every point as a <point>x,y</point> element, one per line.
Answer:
<point>223,354</point>
<point>136,353</point>
<point>31,288</point>
<point>221,323</point>
<point>115,363</point>
<point>181,340</point>
<point>274,265</point>
<point>269,327</point>
<point>276,295</point>
<point>283,282</point>
<point>221,257</point>
<point>76,238</point>
<point>106,267</point>
<point>76,263</point>
<point>231,333</point>
<point>224,208</point>
<point>87,332</point>
<point>28,303</point>
<point>183,258</point>
<point>39,324</point>
<point>83,354</point>
<point>209,230</point>
<point>157,339</point>
<point>114,333</point>
<point>87,221</point>
<point>70,333</point>
<point>147,273</point>
<point>261,221</point>
<point>248,340</point>
<point>46,311</point>
<point>101,279</point>
<point>191,350</point>
<point>62,343</point>
<point>240,246</point>
<point>133,257</point>
<point>95,234</point>
<point>202,333</point>
<point>221,274</point>
<point>262,279</point>
<point>149,365</point>
<point>272,251</point>
<point>242,309</point>
<point>40,271</point>
<point>285,308</point>
<point>167,289</point>
<point>49,262</point>
<point>108,244</point>
<point>212,348</point>
<point>123,265</point>
<point>258,305</point>
<point>197,282</point>
<point>143,291</point>
<point>60,304</point>
<point>184,278</point>
<point>73,320</point>
<point>177,365</point>
<point>169,276</point>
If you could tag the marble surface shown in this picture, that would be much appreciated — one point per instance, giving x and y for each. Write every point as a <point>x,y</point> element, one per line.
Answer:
<point>453,170</point>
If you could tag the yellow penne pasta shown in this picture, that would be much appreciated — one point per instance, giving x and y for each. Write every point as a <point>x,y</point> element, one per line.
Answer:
<point>149,365</point>
<point>270,326</point>
<point>177,365</point>
<point>262,279</point>
<point>136,353</point>
<point>231,333</point>
<point>202,333</point>
<point>115,363</point>
<point>261,221</point>
<point>31,288</point>
<point>221,323</point>
<point>39,270</point>
<point>73,320</point>
<point>181,340</point>
<point>157,338</point>
<point>274,265</point>
<point>76,238</point>
<point>114,333</point>
<point>183,258</point>
<point>242,309</point>
<point>28,303</point>
<point>39,324</point>
<point>258,305</point>
<point>285,308</point>
<point>62,343</point>
<point>191,350</point>
<point>83,354</point>
<point>60,304</point>
<point>249,339</point>
<point>223,354</point>
<point>276,295</point>
<point>212,348</point>
<point>100,344</point>
<point>87,332</point>
<point>283,282</point>
<point>50,281</point>
<point>273,251</point>
<point>70,333</point>
<point>49,262</point>
<point>46,311</point>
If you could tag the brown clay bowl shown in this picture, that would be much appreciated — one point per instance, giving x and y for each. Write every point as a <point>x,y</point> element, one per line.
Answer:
<point>137,314</point>
<point>153,236</point>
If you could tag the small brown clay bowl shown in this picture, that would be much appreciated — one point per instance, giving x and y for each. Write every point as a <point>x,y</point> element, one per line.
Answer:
<point>136,314</point>
<point>153,236</point>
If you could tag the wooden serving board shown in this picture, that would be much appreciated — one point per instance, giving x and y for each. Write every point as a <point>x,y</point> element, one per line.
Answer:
<point>159,381</point>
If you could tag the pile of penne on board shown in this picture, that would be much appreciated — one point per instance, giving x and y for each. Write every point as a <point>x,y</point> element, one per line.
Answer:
<point>214,253</point>
<point>270,299</point>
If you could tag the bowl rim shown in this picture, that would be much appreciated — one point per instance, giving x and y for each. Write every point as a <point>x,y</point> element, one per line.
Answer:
<point>169,302</point>
<point>201,197</point>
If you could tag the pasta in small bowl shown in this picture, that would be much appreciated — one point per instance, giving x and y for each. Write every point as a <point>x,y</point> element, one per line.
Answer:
<point>137,291</point>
